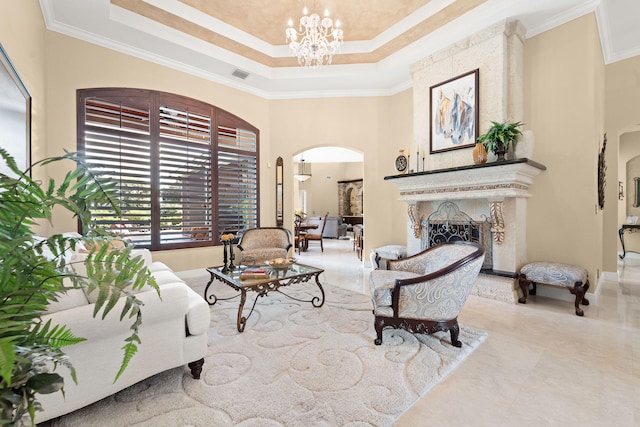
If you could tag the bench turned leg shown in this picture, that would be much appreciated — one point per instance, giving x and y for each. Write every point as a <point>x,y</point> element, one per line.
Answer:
<point>579,290</point>
<point>524,286</point>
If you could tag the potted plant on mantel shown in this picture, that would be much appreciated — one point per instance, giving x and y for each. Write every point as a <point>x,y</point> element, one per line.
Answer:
<point>499,136</point>
<point>32,270</point>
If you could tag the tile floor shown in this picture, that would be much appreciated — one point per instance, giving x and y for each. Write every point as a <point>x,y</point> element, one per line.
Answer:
<point>541,365</point>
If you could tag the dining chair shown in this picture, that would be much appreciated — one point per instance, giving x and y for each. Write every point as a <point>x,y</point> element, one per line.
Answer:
<point>299,235</point>
<point>313,236</point>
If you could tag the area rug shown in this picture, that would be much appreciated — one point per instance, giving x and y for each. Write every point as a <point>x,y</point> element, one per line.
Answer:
<point>293,365</point>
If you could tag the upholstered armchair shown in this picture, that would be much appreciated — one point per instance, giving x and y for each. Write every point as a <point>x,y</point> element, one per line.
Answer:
<point>265,243</point>
<point>424,293</point>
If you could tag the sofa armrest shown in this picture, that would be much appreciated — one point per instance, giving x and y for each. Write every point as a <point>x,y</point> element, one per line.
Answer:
<point>198,314</point>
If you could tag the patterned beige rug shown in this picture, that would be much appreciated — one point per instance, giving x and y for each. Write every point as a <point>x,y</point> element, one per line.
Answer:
<point>293,365</point>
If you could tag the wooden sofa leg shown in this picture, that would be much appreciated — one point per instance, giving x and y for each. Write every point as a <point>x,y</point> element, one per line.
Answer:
<point>196,368</point>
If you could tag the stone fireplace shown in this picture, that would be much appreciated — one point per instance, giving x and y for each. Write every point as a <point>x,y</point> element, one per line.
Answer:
<point>495,193</point>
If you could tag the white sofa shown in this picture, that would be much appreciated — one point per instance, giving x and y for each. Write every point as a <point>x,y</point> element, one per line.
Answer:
<point>173,333</point>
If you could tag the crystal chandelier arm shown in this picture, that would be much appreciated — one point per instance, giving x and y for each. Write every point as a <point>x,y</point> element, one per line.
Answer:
<point>314,48</point>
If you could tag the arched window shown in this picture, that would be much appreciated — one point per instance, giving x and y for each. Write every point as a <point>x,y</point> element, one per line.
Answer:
<point>187,172</point>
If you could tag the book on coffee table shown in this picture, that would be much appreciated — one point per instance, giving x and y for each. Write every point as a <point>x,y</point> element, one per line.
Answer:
<point>255,273</point>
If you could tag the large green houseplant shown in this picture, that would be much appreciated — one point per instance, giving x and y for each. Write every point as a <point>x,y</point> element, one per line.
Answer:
<point>32,270</point>
<point>499,136</point>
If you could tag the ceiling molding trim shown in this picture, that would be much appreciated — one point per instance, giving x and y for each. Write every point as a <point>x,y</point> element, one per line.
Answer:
<point>398,29</point>
<point>563,18</point>
<point>201,19</point>
<point>604,28</point>
<point>86,37</point>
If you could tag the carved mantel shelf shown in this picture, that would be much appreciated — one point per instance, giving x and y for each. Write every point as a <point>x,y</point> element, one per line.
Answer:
<point>492,181</point>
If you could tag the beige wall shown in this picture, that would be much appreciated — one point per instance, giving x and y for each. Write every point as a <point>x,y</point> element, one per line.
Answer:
<point>363,125</point>
<point>564,106</point>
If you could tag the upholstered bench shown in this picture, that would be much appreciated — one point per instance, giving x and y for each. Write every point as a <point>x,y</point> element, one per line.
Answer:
<point>572,277</point>
<point>388,252</point>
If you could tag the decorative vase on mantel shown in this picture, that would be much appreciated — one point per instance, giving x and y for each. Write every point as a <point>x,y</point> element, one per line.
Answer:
<point>479,154</point>
<point>500,151</point>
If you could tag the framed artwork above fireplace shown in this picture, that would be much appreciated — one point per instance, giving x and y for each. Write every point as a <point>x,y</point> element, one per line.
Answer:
<point>453,111</point>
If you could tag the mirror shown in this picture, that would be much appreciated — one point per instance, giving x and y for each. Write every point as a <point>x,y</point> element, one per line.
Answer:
<point>279,191</point>
<point>15,116</point>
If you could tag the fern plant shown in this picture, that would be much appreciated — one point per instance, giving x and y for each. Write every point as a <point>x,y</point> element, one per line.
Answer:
<point>32,270</point>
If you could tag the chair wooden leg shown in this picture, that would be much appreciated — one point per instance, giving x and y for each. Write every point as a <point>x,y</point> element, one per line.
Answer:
<point>455,331</point>
<point>378,325</point>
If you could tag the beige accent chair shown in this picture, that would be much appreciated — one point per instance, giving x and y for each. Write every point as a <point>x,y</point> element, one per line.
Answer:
<point>424,293</point>
<point>264,243</point>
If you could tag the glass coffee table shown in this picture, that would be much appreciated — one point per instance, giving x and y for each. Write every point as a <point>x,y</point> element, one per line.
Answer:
<point>277,278</point>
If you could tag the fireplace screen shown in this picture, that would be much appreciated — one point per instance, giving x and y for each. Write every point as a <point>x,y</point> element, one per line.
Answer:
<point>449,224</point>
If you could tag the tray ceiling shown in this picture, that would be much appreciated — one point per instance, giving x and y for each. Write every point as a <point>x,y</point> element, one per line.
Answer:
<point>223,40</point>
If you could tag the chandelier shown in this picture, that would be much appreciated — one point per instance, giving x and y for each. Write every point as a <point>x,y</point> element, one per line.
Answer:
<point>314,48</point>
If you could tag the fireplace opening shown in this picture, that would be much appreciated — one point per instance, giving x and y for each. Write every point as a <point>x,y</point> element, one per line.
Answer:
<point>449,224</point>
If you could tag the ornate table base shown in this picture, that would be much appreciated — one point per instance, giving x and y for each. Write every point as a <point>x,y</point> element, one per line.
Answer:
<point>297,273</point>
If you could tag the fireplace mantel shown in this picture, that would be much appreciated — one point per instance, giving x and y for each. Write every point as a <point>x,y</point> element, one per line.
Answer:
<point>492,181</point>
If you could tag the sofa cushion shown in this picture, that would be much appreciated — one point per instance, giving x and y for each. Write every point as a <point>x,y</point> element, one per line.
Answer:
<point>69,299</point>
<point>46,252</point>
<point>163,277</point>
<point>78,260</point>
<point>145,254</point>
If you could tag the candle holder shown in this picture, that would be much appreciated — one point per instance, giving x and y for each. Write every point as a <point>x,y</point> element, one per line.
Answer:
<point>227,241</point>
<point>225,268</point>
<point>231,255</point>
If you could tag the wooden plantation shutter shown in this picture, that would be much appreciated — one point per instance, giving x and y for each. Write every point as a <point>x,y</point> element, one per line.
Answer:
<point>186,171</point>
<point>117,144</point>
<point>238,205</point>
<point>185,175</point>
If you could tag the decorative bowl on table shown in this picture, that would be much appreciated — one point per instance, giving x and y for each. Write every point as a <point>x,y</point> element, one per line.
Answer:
<point>281,264</point>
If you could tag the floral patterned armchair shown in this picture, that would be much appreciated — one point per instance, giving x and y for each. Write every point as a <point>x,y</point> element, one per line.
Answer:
<point>424,293</point>
<point>265,243</point>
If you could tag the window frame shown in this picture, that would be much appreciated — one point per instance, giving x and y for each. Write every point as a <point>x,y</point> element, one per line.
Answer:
<point>218,117</point>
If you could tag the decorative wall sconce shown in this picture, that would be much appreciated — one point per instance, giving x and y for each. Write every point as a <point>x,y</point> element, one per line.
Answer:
<point>620,190</point>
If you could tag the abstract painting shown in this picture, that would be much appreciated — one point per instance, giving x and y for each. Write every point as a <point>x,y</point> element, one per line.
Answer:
<point>454,113</point>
